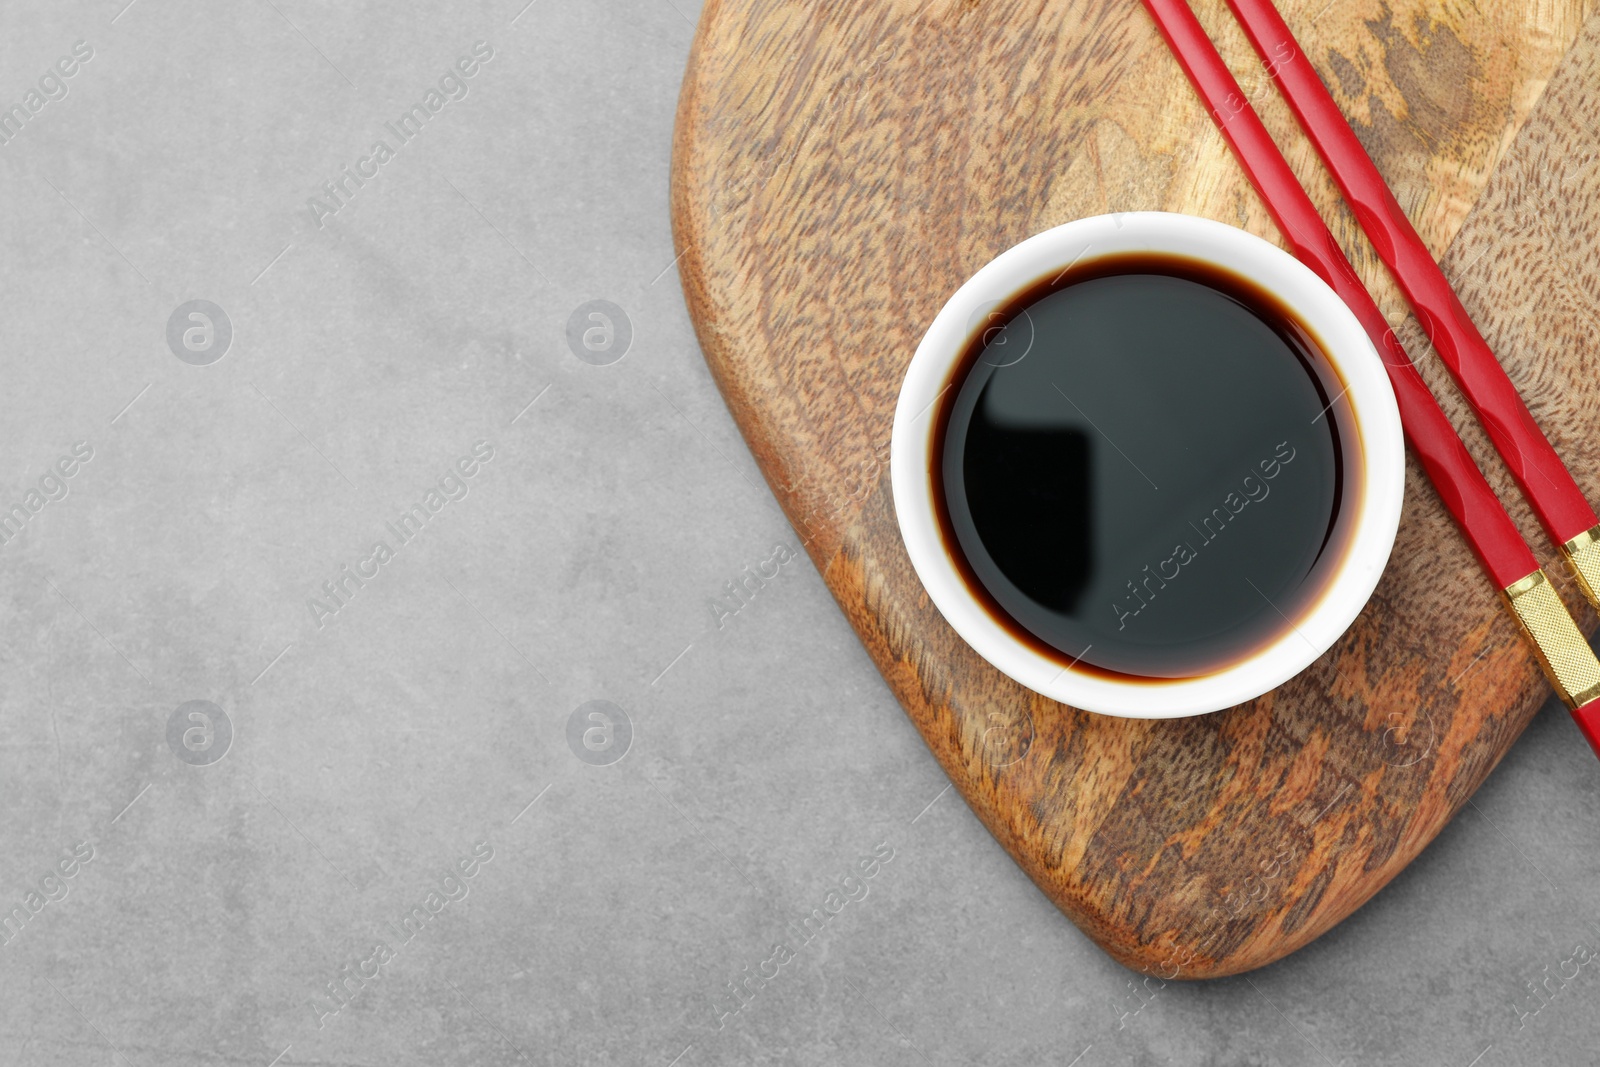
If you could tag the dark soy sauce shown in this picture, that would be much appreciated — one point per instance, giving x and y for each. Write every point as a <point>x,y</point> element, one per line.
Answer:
<point>1146,467</point>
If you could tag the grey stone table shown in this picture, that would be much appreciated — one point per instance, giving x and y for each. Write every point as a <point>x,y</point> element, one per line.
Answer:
<point>372,692</point>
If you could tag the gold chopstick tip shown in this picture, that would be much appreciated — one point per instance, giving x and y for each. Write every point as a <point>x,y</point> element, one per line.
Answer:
<point>1567,659</point>
<point>1583,556</point>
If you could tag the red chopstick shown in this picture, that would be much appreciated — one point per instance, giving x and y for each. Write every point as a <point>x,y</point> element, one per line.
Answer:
<point>1472,503</point>
<point>1544,479</point>
<point>1466,495</point>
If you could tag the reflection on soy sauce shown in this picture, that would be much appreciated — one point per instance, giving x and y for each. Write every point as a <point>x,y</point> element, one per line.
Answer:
<point>1032,487</point>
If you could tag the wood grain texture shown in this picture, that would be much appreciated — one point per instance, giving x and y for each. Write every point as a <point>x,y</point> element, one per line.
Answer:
<point>840,169</point>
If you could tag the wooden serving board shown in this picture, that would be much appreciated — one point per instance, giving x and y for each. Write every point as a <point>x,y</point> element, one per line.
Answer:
<point>841,168</point>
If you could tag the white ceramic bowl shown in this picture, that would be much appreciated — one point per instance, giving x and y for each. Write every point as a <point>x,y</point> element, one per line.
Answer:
<point>1345,343</point>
